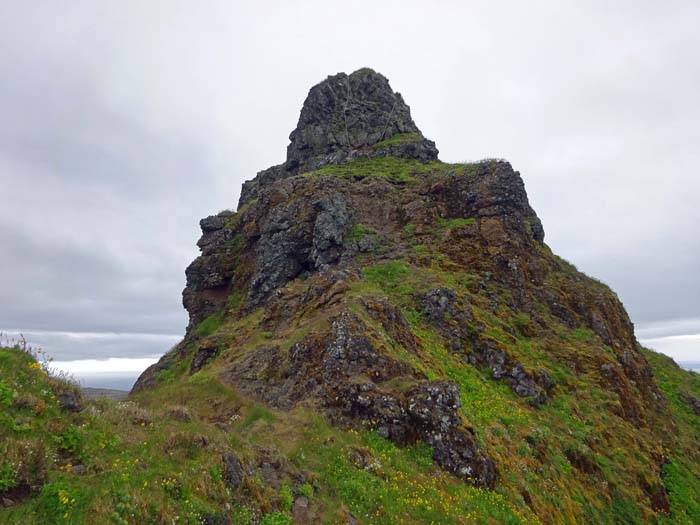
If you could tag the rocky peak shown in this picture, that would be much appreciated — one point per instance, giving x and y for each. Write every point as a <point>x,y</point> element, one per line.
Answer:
<point>350,113</point>
<point>343,118</point>
<point>388,291</point>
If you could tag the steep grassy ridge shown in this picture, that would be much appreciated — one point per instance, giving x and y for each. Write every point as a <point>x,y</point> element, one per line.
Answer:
<point>158,457</point>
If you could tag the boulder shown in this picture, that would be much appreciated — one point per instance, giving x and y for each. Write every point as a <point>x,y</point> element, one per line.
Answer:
<point>69,401</point>
<point>233,471</point>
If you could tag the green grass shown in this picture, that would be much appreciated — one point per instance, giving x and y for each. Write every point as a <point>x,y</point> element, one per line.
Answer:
<point>394,486</point>
<point>391,277</point>
<point>584,335</point>
<point>457,222</point>
<point>580,411</point>
<point>144,466</point>
<point>399,138</point>
<point>210,325</point>
<point>276,518</point>
<point>396,170</point>
<point>358,231</point>
<point>257,413</point>
<point>235,300</point>
<point>680,473</point>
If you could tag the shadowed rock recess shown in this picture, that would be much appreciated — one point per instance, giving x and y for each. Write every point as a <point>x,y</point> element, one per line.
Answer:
<point>366,281</point>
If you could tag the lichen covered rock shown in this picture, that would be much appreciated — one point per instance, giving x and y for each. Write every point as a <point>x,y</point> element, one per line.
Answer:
<point>343,118</point>
<point>366,281</point>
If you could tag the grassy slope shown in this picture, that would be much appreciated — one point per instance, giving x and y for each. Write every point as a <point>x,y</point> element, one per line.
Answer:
<point>145,465</point>
<point>157,458</point>
<point>681,472</point>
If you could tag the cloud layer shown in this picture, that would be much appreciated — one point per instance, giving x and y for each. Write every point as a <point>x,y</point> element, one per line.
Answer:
<point>126,122</point>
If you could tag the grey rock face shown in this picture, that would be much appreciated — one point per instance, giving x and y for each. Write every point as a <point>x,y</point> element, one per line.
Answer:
<point>329,228</point>
<point>205,354</point>
<point>345,113</point>
<point>69,401</point>
<point>427,411</point>
<point>347,374</point>
<point>346,117</point>
<point>692,401</point>
<point>502,366</point>
<point>451,315</point>
<point>301,511</point>
<point>233,471</point>
<point>501,195</point>
<point>250,188</point>
<point>288,246</point>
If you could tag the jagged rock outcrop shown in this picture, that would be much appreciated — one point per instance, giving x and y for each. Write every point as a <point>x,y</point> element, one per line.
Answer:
<point>346,117</point>
<point>349,375</point>
<point>378,280</point>
<point>298,225</point>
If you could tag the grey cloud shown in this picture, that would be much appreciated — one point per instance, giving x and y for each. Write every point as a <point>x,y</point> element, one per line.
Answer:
<point>55,286</point>
<point>675,327</point>
<point>69,346</point>
<point>125,122</point>
<point>683,348</point>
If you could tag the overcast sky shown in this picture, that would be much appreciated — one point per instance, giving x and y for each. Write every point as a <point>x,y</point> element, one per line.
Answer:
<point>125,122</point>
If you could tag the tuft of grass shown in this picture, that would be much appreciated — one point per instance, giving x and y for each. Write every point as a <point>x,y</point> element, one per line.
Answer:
<point>583,335</point>
<point>276,518</point>
<point>396,170</point>
<point>210,325</point>
<point>521,322</point>
<point>257,413</point>
<point>390,277</point>
<point>358,231</point>
<point>457,222</point>
<point>235,300</point>
<point>399,138</point>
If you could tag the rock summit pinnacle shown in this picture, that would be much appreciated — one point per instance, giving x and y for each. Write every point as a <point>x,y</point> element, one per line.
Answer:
<point>347,117</point>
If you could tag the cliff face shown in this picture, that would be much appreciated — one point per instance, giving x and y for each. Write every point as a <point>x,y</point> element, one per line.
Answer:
<point>396,293</point>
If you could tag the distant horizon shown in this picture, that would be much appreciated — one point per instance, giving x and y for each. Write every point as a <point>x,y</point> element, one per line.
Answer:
<point>121,372</point>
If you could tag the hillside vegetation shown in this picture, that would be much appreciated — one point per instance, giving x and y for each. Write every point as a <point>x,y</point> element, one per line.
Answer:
<point>162,458</point>
<point>375,338</point>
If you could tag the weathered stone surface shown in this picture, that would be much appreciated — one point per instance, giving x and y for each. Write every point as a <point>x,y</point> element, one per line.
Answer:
<point>346,117</point>
<point>292,266</point>
<point>346,373</point>
<point>331,224</point>
<point>298,225</point>
<point>205,354</point>
<point>301,512</point>
<point>692,401</point>
<point>288,246</point>
<point>345,113</point>
<point>69,401</point>
<point>233,470</point>
<point>218,518</point>
<point>451,316</point>
<point>485,353</point>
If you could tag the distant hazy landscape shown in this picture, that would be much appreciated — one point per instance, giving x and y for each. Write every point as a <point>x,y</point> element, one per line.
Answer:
<point>691,365</point>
